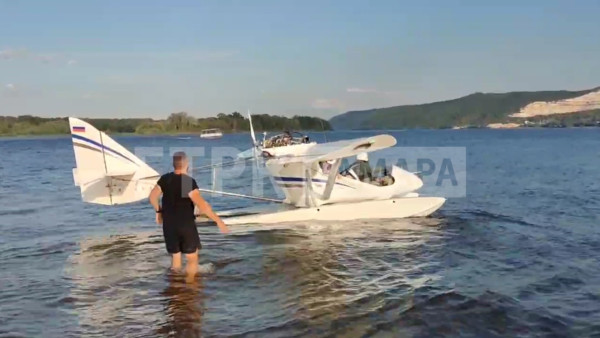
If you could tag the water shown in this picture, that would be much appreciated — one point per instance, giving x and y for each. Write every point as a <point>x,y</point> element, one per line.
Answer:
<point>517,257</point>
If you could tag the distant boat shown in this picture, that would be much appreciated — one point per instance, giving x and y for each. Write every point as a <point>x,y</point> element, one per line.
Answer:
<point>211,133</point>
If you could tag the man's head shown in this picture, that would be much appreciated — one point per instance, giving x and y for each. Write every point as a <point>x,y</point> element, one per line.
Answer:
<point>180,161</point>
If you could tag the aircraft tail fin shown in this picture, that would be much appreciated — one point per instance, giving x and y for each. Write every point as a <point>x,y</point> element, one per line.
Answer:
<point>107,173</point>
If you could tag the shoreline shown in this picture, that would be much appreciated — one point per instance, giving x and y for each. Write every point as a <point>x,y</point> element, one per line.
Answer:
<point>191,134</point>
<point>36,136</point>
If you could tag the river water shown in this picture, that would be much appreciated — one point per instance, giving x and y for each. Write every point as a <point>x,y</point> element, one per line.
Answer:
<point>517,256</point>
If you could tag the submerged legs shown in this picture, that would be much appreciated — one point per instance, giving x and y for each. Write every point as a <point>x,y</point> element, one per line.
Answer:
<point>176,261</point>
<point>191,266</point>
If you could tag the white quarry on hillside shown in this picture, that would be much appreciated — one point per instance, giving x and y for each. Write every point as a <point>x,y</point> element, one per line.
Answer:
<point>585,102</point>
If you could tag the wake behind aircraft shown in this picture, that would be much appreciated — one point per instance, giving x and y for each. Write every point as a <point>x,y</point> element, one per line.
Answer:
<point>107,173</point>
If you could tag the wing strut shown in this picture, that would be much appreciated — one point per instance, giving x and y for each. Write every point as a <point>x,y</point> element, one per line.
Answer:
<point>331,179</point>
<point>308,188</point>
<point>108,178</point>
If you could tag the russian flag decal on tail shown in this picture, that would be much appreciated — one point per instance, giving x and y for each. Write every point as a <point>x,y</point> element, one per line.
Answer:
<point>76,129</point>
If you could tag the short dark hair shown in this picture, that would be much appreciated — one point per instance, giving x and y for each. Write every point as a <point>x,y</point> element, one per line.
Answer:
<point>178,159</point>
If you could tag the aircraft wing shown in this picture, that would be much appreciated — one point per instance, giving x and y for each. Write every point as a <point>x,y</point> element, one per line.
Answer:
<point>340,149</point>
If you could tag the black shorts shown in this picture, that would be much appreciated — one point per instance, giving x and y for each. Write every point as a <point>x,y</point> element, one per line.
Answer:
<point>181,237</point>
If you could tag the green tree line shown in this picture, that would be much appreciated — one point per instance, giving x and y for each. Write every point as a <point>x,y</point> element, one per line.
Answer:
<point>176,123</point>
<point>475,110</point>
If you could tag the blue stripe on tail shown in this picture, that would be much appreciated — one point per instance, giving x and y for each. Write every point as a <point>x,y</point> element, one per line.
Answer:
<point>85,139</point>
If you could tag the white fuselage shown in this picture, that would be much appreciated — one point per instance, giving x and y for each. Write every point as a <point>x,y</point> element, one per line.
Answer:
<point>307,186</point>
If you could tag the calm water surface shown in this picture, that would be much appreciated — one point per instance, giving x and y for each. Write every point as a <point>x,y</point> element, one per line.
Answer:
<point>519,256</point>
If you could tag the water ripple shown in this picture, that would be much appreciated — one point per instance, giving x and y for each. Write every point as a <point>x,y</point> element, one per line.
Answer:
<point>516,257</point>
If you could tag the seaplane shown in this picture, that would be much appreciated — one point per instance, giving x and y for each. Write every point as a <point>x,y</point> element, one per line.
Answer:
<point>315,190</point>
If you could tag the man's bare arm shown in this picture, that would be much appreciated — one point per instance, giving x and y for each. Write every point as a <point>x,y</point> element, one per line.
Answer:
<point>154,196</point>
<point>154,200</point>
<point>206,209</point>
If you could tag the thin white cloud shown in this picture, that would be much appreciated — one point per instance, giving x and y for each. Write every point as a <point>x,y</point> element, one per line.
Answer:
<point>10,90</point>
<point>12,54</point>
<point>327,104</point>
<point>71,62</point>
<point>360,90</point>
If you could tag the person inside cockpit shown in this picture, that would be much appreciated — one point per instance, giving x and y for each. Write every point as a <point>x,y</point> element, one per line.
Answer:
<point>287,138</point>
<point>361,170</point>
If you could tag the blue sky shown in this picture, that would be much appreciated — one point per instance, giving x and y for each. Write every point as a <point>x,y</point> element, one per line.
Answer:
<point>151,58</point>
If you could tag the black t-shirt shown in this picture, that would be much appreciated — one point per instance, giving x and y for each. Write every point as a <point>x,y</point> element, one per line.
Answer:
<point>176,204</point>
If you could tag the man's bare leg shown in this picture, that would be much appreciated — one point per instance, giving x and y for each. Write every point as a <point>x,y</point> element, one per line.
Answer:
<point>191,265</point>
<point>176,261</point>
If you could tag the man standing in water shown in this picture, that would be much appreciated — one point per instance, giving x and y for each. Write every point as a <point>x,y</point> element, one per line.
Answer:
<point>179,195</point>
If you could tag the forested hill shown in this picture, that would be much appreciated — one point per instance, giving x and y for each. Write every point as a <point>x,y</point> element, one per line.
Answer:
<point>177,123</point>
<point>477,110</point>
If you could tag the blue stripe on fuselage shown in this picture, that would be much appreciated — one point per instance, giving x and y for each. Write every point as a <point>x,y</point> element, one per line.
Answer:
<point>302,179</point>
<point>297,179</point>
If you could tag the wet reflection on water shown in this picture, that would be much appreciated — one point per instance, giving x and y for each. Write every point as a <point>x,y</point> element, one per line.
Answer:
<point>184,306</point>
